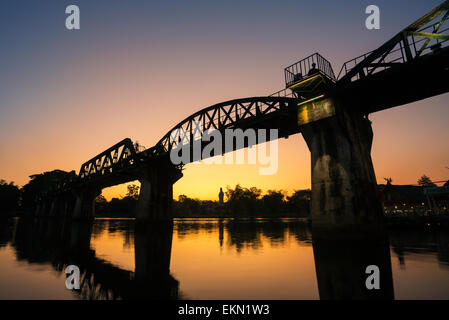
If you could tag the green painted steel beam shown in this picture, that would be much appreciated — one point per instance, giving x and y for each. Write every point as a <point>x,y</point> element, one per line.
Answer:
<point>401,36</point>
<point>430,35</point>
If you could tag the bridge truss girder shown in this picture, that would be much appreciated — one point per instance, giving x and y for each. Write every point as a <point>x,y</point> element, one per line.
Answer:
<point>433,27</point>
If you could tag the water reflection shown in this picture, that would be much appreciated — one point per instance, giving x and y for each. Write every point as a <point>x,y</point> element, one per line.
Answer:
<point>247,234</point>
<point>341,267</point>
<point>152,247</point>
<point>418,241</point>
<point>224,259</point>
<point>64,242</point>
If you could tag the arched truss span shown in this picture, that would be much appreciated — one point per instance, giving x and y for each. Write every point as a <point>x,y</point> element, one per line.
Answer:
<point>226,115</point>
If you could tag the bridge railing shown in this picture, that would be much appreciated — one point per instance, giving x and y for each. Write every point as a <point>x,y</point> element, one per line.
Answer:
<point>285,93</point>
<point>300,69</point>
<point>394,57</point>
<point>421,38</point>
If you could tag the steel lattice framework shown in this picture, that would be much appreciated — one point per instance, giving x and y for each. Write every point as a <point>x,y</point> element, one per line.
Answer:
<point>225,115</point>
<point>428,34</point>
<point>120,155</point>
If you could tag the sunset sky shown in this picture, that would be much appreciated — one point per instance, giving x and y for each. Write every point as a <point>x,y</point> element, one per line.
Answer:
<point>136,68</point>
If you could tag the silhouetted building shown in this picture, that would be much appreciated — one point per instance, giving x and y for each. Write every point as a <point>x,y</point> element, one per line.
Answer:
<point>400,194</point>
<point>412,199</point>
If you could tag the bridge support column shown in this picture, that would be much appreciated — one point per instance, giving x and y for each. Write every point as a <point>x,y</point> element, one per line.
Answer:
<point>85,203</point>
<point>156,192</point>
<point>53,207</point>
<point>43,208</point>
<point>38,209</point>
<point>344,187</point>
<point>58,207</point>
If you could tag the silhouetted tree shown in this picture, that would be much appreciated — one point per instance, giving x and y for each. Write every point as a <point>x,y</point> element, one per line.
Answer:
<point>40,183</point>
<point>133,191</point>
<point>425,181</point>
<point>100,203</point>
<point>9,196</point>
<point>273,202</point>
<point>299,202</point>
<point>243,201</point>
<point>187,206</point>
<point>100,199</point>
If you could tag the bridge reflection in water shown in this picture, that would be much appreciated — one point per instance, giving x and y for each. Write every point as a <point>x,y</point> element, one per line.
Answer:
<point>330,112</point>
<point>63,243</point>
<point>340,267</point>
<point>259,259</point>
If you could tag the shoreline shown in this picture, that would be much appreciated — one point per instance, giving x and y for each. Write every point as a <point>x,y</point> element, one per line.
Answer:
<point>392,221</point>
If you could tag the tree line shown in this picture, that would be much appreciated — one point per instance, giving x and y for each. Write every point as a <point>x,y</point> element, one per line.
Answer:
<point>240,201</point>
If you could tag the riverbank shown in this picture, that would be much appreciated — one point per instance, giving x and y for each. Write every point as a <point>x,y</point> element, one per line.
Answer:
<point>393,221</point>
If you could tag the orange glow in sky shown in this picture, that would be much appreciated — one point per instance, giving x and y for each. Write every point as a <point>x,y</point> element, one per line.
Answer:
<point>69,96</point>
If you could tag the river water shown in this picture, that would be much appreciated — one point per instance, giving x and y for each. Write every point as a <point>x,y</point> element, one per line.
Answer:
<point>210,259</point>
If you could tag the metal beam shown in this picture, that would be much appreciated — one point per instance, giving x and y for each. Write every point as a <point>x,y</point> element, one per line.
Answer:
<point>402,36</point>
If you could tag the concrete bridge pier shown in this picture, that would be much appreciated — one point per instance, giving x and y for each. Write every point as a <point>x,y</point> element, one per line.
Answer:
<point>46,207</point>
<point>156,192</point>
<point>345,199</point>
<point>53,206</point>
<point>40,208</point>
<point>59,206</point>
<point>84,207</point>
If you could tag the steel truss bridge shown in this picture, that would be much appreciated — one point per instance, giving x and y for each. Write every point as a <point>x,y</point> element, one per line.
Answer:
<point>411,66</point>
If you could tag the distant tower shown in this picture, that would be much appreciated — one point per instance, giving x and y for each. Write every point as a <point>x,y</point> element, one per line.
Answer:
<point>220,196</point>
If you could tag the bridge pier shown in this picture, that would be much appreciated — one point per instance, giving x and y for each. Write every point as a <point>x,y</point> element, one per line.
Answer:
<point>55,206</point>
<point>47,207</point>
<point>156,192</point>
<point>58,206</point>
<point>40,209</point>
<point>345,198</point>
<point>84,207</point>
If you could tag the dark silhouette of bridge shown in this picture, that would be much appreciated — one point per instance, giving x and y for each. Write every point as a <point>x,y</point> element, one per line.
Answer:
<point>63,242</point>
<point>331,112</point>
